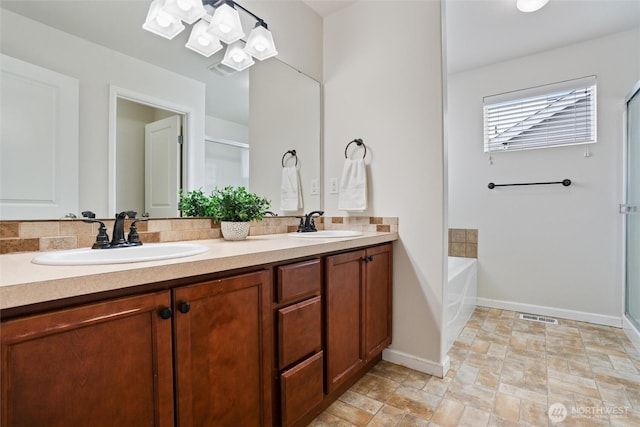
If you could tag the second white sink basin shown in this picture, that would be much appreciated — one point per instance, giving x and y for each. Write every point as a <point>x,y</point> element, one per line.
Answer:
<point>327,233</point>
<point>146,252</point>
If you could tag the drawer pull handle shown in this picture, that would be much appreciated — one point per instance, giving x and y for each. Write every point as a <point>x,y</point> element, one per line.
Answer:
<point>184,307</point>
<point>166,313</point>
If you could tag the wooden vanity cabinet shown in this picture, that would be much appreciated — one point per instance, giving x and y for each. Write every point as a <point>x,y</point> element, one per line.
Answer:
<point>357,311</point>
<point>103,364</point>
<point>273,346</point>
<point>298,317</point>
<point>222,344</point>
<point>111,363</point>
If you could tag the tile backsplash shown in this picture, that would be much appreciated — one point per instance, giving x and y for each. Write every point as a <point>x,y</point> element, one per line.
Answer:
<point>26,236</point>
<point>463,242</point>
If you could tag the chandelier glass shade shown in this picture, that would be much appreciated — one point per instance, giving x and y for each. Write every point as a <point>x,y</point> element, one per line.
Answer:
<point>225,24</point>
<point>201,41</point>
<point>165,18</point>
<point>530,5</point>
<point>237,57</point>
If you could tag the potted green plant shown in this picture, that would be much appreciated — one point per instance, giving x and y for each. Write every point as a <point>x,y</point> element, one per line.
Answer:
<point>194,203</point>
<point>234,208</point>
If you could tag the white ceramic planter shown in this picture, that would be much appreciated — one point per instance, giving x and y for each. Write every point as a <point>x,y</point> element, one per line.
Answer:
<point>234,230</point>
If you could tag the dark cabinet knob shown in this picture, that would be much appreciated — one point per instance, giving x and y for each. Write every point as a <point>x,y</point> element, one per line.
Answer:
<point>166,313</point>
<point>184,307</point>
<point>367,259</point>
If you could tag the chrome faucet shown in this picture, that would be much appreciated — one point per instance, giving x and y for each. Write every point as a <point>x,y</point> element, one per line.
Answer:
<point>308,224</point>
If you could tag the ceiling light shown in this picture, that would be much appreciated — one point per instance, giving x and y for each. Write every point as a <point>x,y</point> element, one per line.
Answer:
<point>530,5</point>
<point>236,57</point>
<point>260,42</point>
<point>161,22</point>
<point>218,21</point>
<point>202,41</point>
<point>225,24</point>
<point>187,10</point>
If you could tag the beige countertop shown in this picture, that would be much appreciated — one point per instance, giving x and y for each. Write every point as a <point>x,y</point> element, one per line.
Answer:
<point>23,283</point>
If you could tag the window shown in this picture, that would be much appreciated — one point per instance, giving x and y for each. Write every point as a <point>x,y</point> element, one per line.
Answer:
<point>545,116</point>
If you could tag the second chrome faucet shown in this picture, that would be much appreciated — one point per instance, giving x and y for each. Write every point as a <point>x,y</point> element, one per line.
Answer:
<point>307,223</point>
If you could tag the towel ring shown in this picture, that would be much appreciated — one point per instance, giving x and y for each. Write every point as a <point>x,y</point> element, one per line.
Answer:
<point>359,143</point>
<point>293,154</point>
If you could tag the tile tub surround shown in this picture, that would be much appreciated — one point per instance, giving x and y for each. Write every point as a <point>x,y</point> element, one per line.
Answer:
<point>29,236</point>
<point>463,242</point>
<point>505,372</point>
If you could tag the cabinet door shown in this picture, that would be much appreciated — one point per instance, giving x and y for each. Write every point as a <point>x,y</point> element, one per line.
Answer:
<point>106,364</point>
<point>343,317</point>
<point>222,335</point>
<point>377,300</point>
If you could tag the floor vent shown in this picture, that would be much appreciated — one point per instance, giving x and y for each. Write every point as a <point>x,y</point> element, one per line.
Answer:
<point>535,318</point>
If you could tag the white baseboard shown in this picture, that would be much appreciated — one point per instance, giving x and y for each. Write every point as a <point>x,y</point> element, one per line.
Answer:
<point>631,332</point>
<point>582,316</point>
<point>417,363</point>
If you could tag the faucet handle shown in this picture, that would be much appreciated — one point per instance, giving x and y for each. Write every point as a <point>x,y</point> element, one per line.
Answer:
<point>88,214</point>
<point>102,239</point>
<point>133,238</point>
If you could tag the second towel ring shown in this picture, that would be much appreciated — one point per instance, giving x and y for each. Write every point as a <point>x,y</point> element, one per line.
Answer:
<point>293,154</point>
<point>359,143</point>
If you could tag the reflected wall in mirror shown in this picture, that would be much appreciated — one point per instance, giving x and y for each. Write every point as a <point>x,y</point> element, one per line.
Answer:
<point>212,105</point>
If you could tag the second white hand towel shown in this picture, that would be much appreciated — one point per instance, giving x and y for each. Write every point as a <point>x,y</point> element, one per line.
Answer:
<point>290,191</point>
<point>353,186</point>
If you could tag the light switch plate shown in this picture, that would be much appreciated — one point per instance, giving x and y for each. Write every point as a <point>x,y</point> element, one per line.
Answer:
<point>314,187</point>
<point>333,187</point>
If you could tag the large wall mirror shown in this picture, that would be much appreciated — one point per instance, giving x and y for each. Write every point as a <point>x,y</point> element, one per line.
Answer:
<point>128,78</point>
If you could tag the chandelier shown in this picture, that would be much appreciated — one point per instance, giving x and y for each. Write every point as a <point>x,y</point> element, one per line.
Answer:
<point>217,21</point>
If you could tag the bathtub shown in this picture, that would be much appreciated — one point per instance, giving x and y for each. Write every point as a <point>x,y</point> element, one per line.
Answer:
<point>460,296</point>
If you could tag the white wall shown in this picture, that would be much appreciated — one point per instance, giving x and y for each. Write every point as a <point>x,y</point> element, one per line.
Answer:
<point>383,84</point>
<point>96,68</point>
<point>554,247</point>
<point>297,32</point>
<point>284,114</point>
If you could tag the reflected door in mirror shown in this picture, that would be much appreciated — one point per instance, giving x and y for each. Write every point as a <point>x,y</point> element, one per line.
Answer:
<point>162,167</point>
<point>38,142</point>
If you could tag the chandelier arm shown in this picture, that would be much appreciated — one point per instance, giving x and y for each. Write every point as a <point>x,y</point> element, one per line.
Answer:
<point>218,3</point>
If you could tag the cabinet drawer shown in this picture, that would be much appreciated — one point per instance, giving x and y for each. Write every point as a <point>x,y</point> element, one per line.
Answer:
<point>296,280</point>
<point>299,331</point>
<point>301,389</point>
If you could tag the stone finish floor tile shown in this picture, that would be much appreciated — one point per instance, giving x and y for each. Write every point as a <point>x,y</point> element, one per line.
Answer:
<point>505,372</point>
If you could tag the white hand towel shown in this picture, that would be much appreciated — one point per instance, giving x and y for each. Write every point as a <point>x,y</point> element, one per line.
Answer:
<point>290,190</point>
<point>353,186</point>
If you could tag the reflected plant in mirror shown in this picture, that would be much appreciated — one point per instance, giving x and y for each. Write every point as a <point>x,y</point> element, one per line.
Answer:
<point>234,204</point>
<point>195,204</point>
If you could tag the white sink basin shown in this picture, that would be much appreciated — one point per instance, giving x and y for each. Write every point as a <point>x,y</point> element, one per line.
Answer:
<point>146,252</point>
<point>327,234</point>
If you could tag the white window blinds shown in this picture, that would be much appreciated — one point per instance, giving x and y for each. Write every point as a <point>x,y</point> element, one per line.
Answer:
<point>545,116</point>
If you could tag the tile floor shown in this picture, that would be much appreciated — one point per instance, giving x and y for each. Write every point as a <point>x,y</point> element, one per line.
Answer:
<point>506,371</point>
